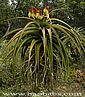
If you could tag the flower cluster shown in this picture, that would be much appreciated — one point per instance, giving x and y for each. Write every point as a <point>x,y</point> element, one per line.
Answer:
<point>38,14</point>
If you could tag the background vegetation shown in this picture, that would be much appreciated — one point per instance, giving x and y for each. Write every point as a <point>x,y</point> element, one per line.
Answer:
<point>70,11</point>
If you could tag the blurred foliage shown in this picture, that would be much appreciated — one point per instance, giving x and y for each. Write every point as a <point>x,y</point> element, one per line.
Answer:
<point>11,80</point>
<point>6,12</point>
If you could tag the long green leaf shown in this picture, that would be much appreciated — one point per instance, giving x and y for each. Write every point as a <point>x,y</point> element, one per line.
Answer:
<point>51,50</point>
<point>37,54</point>
<point>68,35</point>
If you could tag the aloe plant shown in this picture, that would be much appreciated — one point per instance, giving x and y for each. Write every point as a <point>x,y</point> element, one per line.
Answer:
<point>41,45</point>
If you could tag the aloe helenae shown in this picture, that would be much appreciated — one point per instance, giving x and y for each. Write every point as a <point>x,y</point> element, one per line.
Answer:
<point>41,44</point>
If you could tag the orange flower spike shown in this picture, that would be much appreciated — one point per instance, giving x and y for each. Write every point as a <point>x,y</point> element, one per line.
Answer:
<point>47,8</point>
<point>38,8</point>
<point>41,17</point>
<point>46,11</point>
<point>30,13</point>
<point>39,13</point>
<point>34,11</point>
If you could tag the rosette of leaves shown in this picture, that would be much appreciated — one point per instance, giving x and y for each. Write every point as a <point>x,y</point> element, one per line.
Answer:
<point>41,46</point>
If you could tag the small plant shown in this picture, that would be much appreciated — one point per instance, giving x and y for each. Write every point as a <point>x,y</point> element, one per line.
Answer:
<point>41,46</point>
